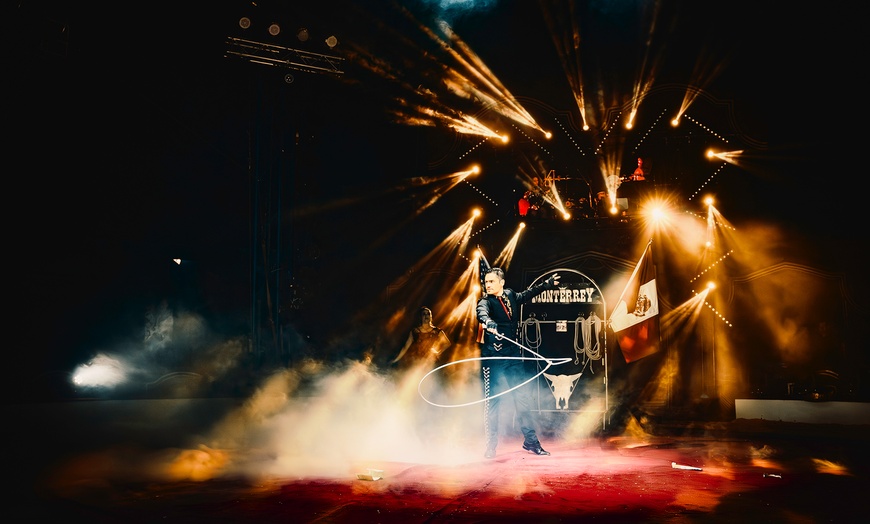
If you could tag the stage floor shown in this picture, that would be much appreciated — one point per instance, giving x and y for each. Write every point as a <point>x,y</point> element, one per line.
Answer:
<point>701,475</point>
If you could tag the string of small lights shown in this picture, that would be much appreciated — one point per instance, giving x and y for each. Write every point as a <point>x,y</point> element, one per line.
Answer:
<point>717,223</point>
<point>607,134</point>
<point>475,146</point>
<point>648,131</point>
<point>479,231</point>
<point>570,137</point>
<point>531,138</point>
<point>484,228</point>
<point>709,179</point>
<point>711,266</point>
<point>721,167</point>
<point>716,312</point>
<point>463,257</point>
<point>705,128</point>
<point>481,193</point>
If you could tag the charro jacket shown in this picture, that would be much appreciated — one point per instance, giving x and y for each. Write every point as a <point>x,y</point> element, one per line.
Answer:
<point>503,314</point>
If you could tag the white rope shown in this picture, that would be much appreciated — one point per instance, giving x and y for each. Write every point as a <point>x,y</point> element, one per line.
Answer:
<point>579,329</point>
<point>550,363</point>
<point>593,351</point>
<point>536,342</point>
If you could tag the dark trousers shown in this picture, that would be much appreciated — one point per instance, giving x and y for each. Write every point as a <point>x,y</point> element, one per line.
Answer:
<point>500,375</point>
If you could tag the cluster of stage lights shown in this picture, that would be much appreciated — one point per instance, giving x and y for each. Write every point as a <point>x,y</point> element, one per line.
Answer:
<point>728,157</point>
<point>274,29</point>
<point>657,212</point>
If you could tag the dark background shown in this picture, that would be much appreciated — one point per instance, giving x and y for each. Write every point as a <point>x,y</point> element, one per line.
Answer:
<point>133,139</point>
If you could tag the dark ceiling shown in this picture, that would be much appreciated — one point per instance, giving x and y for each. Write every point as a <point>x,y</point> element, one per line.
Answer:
<point>139,138</point>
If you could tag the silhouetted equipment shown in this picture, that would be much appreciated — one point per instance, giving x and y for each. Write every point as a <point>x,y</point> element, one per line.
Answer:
<point>280,56</point>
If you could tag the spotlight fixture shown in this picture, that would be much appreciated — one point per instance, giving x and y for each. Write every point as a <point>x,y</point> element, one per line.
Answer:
<point>302,34</point>
<point>332,41</point>
<point>274,29</point>
<point>244,22</point>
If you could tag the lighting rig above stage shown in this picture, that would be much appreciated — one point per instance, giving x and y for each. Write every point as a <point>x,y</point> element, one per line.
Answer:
<point>287,57</point>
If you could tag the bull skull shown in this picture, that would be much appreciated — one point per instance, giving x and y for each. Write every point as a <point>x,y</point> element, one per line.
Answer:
<point>562,386</point>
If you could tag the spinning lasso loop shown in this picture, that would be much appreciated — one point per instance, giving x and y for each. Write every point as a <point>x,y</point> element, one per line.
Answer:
<point>550,363</point>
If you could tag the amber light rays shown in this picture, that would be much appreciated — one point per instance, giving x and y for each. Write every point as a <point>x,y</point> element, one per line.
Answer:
<point>698,246</point>
<point>648,68</point>
<point>504,258</point>
<point>657,215</point>
<point>443,184</point>
<point>678,325</point>
<point>428,189</point>
<point>425,271</point>
<point>456,297</point>
<point>459,76</point>
<point>501,100</point>
<point>562,19</point>
<point>421,104</point>
<point>732,157</point>
<point>706,69</point>
<point>456,305</point>
<point>464,294</point>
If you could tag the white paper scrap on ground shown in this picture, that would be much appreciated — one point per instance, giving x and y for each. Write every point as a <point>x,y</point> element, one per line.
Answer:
<point>683,466</point>
<point>373,474</point>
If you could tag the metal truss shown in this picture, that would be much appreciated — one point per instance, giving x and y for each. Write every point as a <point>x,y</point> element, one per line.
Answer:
<point>280,56</point>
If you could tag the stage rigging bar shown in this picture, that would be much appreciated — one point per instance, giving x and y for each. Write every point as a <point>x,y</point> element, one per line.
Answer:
<point>280,56</point>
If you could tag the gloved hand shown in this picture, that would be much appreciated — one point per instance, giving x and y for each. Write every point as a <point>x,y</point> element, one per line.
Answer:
<point>553,281</point>
<point>491,325</point>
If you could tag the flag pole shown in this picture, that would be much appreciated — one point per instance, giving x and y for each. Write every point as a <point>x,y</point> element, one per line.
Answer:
<point>636,269</point>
